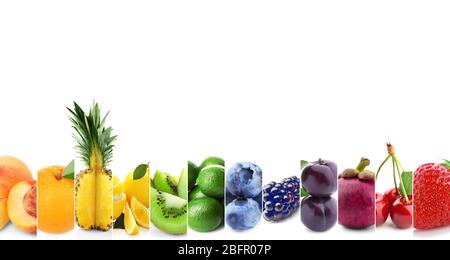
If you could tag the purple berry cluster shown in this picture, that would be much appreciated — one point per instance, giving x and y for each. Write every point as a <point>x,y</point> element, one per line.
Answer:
<point>281,200</point>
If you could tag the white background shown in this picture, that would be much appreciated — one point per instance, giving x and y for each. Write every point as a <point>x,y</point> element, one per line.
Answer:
<point>266,81</point>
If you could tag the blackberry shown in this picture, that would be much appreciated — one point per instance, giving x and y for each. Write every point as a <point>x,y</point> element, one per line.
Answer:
<point>281,200</point>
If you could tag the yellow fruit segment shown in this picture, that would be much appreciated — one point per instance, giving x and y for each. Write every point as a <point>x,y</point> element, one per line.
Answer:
<point>94,200</point>
<point>85,200</point>
<point>117,186</point>
<point>104,201</point>
<point>140,213</point>
<point>119,204</point>
<point>130,223</point>
<point>140,189</point>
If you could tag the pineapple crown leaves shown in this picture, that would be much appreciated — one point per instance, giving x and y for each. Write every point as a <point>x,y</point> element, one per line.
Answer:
<point>94,140</point>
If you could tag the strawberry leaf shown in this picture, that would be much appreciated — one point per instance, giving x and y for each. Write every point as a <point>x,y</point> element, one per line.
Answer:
<point>69,171</point>
<point>407,181</point>
<point>140,171</point>
<point>446,164</point>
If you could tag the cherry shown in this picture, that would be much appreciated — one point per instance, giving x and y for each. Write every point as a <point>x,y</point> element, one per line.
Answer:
<point>391,196</point>
<point>401,212</point>
<point>399,199</point>
<point>382,209</point>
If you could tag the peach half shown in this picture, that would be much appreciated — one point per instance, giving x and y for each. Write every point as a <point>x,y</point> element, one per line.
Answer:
<point>12,171</point>
<point>22,206</point>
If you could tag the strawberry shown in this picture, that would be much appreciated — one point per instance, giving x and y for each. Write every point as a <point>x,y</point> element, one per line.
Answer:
<point>432,196</point>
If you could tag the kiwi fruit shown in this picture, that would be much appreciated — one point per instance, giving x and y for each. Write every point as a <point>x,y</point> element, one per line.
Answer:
<point>196,193</point>
<point>183,185</point>
<point>192,175</point>
<point>168,212</point>
<point>166,183</point>
<point>212,161</point>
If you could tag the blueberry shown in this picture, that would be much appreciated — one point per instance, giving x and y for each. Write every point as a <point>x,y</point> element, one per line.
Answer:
<point>259,200</point>
<point>229,197</point>
<point>243,214</point>
<point>244,180</point>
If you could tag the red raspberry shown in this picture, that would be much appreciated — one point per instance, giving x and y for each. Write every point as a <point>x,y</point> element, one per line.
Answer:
<point>431,196</point>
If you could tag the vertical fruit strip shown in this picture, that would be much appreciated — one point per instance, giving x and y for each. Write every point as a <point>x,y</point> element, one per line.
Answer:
<point>94,186</point>
<point>281,200</point>
<point>396,201</point>
<point>206,185</point>
<point>12,172</point>
<point>319,208</point>
<point>244,193</point>
<point>432,196</point>
<point>168,202</point>
<point>357,196</point>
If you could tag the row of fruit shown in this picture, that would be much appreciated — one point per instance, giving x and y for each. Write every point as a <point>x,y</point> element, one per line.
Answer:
<point>359,206</point>
<point>204,198</point>
<point>420,199</point>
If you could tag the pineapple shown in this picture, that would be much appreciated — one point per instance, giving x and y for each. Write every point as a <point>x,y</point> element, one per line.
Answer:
<point>93,186</point>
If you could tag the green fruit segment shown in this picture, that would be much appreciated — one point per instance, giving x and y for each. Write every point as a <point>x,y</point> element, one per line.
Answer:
<point>212,161</point>
<point>166,183</point>
<point>192,174</point>
<point>206,185</point>
<point>211,181</point>
<point>168,212</point>
<point>196,193</point>
<point>205,214</point>
<point>183,185</point>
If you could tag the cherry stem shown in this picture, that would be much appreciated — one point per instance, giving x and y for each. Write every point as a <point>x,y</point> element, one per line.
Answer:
<point>395,175</point>
<point>399,164</point>
<point>381,166</point>
<point>402,185</point>
<point>362,164</point>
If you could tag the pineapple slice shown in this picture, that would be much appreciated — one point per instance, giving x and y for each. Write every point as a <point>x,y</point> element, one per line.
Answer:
<point>85,204</point>
<point>94,186</point>
<point>104,201</point>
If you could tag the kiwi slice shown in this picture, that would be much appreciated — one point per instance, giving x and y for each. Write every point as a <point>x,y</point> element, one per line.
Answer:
<point>166,183</point>
<point>183,185</point>
<point>168,212</point>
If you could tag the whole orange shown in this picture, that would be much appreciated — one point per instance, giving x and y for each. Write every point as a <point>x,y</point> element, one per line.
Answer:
<point>55,201</point>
